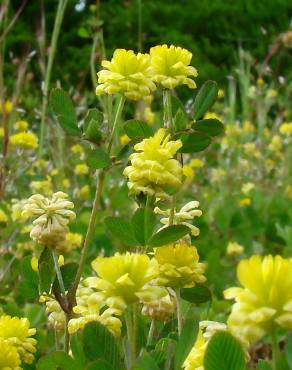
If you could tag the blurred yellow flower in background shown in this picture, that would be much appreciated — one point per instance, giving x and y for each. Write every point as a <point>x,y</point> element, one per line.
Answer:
<point>265,300</point>
<point>81,169</point>
<point>24,140</point>
<point>127,73</point>
<point>171,66</point>
<point>233,249</point>
<point>286,128</point>
<point>124,139</point>
<point>83,192</point>
<point>196,163</point>
<point>153,168</point>
<point>272,93</point>
<point>3,217</point>
<point>247,187</point>
<point>7,107</point>
<point>244,202</point>
<point>21,125</point>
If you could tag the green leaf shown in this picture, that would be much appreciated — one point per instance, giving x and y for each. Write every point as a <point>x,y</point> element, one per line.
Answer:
<point>46,271</point>
<point>143,223</point>
<point>29,285</point>
<point>146,362</point>
<point>194,142</point>
<point>98,158</point>
<point>68,272</point>
<point>198,294</point>
<point>99,343</point>
<point>92,115</point>
<point>57,361</point>
<point>63,108</point>
<point>186,342</point>
<point>180,121</point>
<point>76,347</point>
<point>212,127</point>
<point>122,230</point>
<point>91,126</point>
<point>135,128</point>
<point>205,98</point>
<point>288,350</point>
<point>263,365</point>
<point>169,234</point>
<point>224,352</point>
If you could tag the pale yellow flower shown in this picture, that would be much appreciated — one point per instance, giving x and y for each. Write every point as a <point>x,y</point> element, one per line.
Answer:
<point>247,187</point>
<point>272,93</point>
<point>161,309</point>
<point>77,149</point>
<point>126,278</point>
<point>244,202</point>
<point>189,173</point>
<point>83,192</point>
<point>7,107</point>
<point>276,144</point>
<point>52,216</point>
<point>17,332</point>
<point>66,183</point>
<point>265,300</point>
<point>72,241</point>
<point>248,127</point>
<point>171,66</point>
<point>24,140</point>
<point>217,174</point>
<point>56,316</point>
<point>153,169</point>
<point>196,163</point>
<point>221,94</point>
<point>179,266</point>
<point>124,139</point>
<point>43,186</point>
<point>233,248</point>
<point>126,73</point>
<point>251,150</point>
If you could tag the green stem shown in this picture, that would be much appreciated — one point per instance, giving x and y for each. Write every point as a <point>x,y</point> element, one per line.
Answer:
<point>167,112</point>
<point>172,210</point>
<point>116,122</point>
<point>130,330</point>
<point>151,332</point>
<point>88,238</point>
<point>67,335</point>
<point>275,348</point>
<point>53,46</point>
<point>178,310</point>
<point>140,26</point>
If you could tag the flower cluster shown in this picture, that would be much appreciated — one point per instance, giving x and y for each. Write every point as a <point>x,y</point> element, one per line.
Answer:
<point>265,300</point>
<point>136,75</point>
<point>52,217</point>
<point>16,341</point>
<point>153,169</point>
<point>24,140</point>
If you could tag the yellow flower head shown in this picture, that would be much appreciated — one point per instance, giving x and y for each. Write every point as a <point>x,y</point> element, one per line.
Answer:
<point>16,332</point>
<point>179,266</point>
<point>233,248</point>
<point>72,241</point>
<point>189,173</point>
<point>90,304</point>
<point>286,128</point>
<point>153,168</point>
<point>126,73</point>
<point>276,144</point>
<point>7,107</point>
<point>125,279</point>
<point>21,125</point>
<point>221,93</point>
<point>195,359</point>
<point>52,216</point>
<point>244,202</point>
<point>43,186</point>
<point>56,316</point>
<point>161,309</point>
<point>247,187</point>
<point>171,66</point>
<point>265,299</point>
<point>77,149</point>
<point>83,192</point>
<point>124,139</point>
<point>24,140</point>
<point>196,163</point>
<point>9,357</point>
<point>81,169</point>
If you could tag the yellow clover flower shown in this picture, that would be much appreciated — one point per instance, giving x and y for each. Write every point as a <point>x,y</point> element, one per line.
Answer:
<point>7,107</point>
<point>126,278</point>
<point>90,304</point>
<point>233,248</point>
<point>3,217</point>
<point>126,73</point>
<point>265,300</point>
<point>52,216</point>
<point>179,266</point>
<point>17,332</point>
<point>72,241</point>
<point>43,186</point>
<point>81,169</point>
<point>24,140</point>
<point>9,357</point>
<point>171,66</point>
<point>153,169</point>
<point>195,359</point>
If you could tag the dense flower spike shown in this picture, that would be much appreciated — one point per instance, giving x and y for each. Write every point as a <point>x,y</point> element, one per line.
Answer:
<point>265,301</point>
<point>126,278</point>
<point>90,304</point>
<point>179,266</point>
<point>9,357</point>
<point>16,331</point>
<point>183,217</point>
<point>24,140</point>
<point>153,169</point>
<point>171,66</point>
<point>53,215</point>
<point>195,359</point>
<point>126,73</point>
